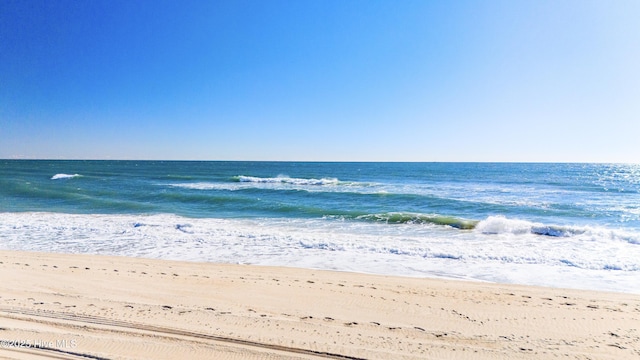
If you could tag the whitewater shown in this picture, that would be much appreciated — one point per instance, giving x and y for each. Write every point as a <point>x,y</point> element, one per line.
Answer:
<point>561,225</point>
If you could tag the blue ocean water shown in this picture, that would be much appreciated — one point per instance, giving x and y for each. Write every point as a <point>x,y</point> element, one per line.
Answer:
<point>567,225</point>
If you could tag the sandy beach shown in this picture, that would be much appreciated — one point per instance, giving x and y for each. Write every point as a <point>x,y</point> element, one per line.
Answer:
<point>97,307</point>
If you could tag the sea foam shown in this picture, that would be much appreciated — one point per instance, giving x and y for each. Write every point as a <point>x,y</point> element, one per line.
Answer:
<point>497,225</point>
<point>601,259</point>
<point>283,179</point>
<point>64,176</point>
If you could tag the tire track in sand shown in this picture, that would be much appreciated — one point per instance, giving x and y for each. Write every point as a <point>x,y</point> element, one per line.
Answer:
<point>123,326</point>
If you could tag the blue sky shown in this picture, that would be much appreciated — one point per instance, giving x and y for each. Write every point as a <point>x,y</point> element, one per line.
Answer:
<point>321,80</point>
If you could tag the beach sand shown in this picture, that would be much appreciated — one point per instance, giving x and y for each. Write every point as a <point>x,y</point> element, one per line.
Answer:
<point>98,307</point>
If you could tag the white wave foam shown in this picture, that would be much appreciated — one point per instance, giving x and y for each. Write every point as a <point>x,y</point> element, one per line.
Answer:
<point>282,183</point>
<point>502,225</point>
<point>204,186</point>
<point>64,176</point>
<point>283,179</point>
<point>497,225</point>
<point>602,259</point>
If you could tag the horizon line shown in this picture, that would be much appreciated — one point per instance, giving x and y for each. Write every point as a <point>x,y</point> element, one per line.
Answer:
<point>326,161</point>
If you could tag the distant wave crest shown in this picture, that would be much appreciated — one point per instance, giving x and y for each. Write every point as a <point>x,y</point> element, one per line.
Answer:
<point>64,176</point>
<point>200,186</point>
<point>281,179</point>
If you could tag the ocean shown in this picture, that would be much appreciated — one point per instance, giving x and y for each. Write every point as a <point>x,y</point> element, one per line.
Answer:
<point>559,225</point>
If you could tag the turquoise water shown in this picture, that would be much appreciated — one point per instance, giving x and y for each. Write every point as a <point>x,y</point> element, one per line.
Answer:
<point>576,224</point>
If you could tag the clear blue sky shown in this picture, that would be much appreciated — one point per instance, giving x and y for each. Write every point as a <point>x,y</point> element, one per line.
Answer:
<point>321,80</point>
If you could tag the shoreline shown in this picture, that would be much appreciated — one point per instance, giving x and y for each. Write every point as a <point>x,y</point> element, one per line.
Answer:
<point>70,306</point>
<point>608,264</point>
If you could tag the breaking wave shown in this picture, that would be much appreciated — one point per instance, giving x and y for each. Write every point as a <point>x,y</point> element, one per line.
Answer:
<point>500,225</point>
<point>496,225</point>
<point>412,218</point>
<point>281,179</point>
<point>64,176</point>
